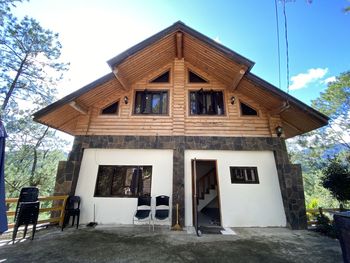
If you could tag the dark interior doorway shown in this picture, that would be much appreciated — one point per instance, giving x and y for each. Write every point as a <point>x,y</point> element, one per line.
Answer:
<point>206,198</point>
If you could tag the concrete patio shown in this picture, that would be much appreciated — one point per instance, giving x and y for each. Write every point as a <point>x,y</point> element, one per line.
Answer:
<point>136,244</point>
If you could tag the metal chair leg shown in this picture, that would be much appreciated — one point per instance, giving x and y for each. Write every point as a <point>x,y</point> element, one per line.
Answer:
<point>78,217</point>
<point>33,233</point>
<point>14,234</point>
<point>25,231</point>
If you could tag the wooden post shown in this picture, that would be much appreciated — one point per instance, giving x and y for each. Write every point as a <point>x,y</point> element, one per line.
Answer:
<point>63,211</point>
<point>179,45</point>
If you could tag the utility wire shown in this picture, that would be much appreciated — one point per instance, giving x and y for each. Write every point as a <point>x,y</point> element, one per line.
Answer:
<point>286,37</point>
<point>278,46</point>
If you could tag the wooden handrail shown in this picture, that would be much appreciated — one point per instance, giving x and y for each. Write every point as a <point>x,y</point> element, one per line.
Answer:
<point>55,207</point>
<point>205,181</point>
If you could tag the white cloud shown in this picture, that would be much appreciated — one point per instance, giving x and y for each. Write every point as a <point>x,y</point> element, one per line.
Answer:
<point>330,79</point>
<point>303,79</point>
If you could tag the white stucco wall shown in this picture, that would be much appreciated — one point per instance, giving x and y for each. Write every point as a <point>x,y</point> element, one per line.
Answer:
<point>242,205</point>
<point>115,210</point>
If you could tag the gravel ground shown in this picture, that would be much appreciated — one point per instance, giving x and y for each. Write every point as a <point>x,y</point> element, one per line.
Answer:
<point>137,244</point>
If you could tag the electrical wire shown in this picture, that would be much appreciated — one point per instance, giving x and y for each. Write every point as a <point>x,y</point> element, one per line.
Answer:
<point>278,45</point>
<point>286,38</point>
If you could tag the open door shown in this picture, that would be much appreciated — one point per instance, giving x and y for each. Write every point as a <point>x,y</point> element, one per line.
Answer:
<point>195,197</point>
<point>205,197</point>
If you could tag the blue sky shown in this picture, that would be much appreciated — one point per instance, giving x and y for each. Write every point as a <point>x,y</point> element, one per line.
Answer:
<point>92,32</point>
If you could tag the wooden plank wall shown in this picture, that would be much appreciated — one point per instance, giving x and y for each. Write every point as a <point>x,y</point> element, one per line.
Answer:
<point>178,121</point>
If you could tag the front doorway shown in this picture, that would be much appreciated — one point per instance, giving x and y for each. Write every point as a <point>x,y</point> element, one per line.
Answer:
<point>205,195</point>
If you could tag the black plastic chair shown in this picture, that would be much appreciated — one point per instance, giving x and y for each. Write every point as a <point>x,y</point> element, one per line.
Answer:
<point>143,211</point>
<point>72,209</point>
<point>28,213</point>
<point>342,222</point>
<point>162,209</point>
<point>27,194</point>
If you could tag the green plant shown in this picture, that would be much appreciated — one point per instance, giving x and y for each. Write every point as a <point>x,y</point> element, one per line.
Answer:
<point>325,226</point>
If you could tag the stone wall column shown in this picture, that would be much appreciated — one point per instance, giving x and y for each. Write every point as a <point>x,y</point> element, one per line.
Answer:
<point>179,180</point>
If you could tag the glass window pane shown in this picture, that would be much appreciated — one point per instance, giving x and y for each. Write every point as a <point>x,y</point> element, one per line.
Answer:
<point>164,103</point>
<point>123,181</point>
<point>156,103</point>
<point>138,102</point>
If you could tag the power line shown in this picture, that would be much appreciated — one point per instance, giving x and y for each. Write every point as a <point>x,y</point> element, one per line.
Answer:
<point>278,45</point>
<point>286,38</point>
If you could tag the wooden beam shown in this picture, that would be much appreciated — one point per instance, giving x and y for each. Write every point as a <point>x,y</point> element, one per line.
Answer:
<point>179,45</point>
<point>292,126</point>
<point>237,79</point>
<point>78,107</point>
<point>285,106</point>
<point>123,82</point>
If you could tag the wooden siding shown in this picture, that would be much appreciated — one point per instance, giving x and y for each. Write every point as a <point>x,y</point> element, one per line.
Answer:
<point>178,121</point>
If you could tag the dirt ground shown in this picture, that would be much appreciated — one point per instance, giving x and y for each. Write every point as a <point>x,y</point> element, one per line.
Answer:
<point>137,244</point>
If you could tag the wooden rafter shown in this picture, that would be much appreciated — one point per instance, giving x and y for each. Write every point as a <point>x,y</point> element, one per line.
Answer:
<point>123,82</point>
<point>179,45</point>
<point>237,79</point>
<point>285,106</point>
<point>78,107</point>
<point>292,126</point>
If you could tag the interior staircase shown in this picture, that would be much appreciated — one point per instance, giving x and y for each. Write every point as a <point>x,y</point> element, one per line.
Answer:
<point>207,189</point>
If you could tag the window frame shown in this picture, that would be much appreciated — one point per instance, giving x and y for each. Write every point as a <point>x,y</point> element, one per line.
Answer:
<point>151,91</point>
<point>247,116</point>
<point>242,168</point>
<point>206,114</point>
<point>110,195</point>
<point>150,82</point>
<point>199,75</point>
<point>110,114</point>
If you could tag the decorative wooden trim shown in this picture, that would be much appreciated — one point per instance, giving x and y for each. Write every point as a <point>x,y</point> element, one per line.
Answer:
<point>78,107</point>
<point>237,79</point>
<point>179,45</point>
<point>285,106</point>
<point>123,82</point>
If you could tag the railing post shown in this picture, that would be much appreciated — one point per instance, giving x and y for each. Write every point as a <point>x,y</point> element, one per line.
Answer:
<point>63,211</point>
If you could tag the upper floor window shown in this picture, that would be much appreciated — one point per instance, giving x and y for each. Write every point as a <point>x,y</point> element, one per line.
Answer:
<point>111,109</point>
<point>163,78</point>
<point>151,102</point>
<point>206,102</point>
<point>246,110</point>
<point>195,78</point>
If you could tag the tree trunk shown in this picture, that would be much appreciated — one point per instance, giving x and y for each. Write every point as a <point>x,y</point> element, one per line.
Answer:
<point>13,84</point>
<point>35,159</point>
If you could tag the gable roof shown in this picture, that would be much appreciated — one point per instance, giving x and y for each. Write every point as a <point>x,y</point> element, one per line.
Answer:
<point>179,26</point>
<point>220,61</point>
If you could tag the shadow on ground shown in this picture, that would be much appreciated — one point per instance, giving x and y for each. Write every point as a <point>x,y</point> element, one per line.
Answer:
<point>130,244</point>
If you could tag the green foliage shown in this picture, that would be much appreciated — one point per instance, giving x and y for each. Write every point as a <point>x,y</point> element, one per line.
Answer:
<point>324,226</point>
<point>311,150</point>
<point>29,72</point>
<point>29,63</point>
<point>335,103</point>
<point>337,179</point>
<point>5,9</point>
<point>32,155</point>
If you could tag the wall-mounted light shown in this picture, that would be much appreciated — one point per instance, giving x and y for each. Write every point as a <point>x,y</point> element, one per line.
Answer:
<point>233,100</point>
<point>126,99</point>
<point>279,131</point>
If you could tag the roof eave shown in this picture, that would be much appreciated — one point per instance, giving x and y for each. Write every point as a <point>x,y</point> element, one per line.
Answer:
<point>37,115</point>
<point>306,108</point>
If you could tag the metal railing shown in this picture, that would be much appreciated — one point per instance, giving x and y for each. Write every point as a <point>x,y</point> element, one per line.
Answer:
<point>58,204</point>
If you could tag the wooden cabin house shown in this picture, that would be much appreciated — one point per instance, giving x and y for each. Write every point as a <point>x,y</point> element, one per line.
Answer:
<point>182,115</point>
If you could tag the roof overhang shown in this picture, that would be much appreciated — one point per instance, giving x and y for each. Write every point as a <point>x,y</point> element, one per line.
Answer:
<point>182,42</point>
